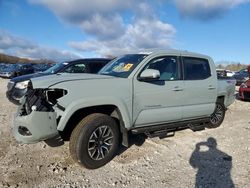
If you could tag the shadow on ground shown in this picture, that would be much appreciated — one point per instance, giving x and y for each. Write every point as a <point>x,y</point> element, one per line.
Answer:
<point>213,166</point>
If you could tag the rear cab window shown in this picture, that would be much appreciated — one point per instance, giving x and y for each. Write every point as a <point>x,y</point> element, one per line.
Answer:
<point>196,68</point>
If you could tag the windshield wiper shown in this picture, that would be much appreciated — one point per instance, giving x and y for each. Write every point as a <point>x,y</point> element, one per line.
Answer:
<point>108,74</point>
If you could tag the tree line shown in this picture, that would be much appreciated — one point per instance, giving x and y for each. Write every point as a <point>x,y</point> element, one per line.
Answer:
<point>232,66</point>
<point>13,59</point>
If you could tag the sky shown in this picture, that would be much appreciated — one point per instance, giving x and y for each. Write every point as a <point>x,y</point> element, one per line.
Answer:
<point>70,29</point>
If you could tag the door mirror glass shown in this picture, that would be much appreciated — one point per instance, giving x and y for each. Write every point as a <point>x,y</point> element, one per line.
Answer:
<point>149,74</point>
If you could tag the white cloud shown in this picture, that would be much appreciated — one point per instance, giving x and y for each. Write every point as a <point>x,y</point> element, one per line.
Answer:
<point>142,34</point>
<point>108,30</point>
<point>150,33</point>
<point>96,18</point>
<point>206,9</point>
<point>104,28</point>
<point>11,41</point>
<point>78,10</point>
<point>16,45</point>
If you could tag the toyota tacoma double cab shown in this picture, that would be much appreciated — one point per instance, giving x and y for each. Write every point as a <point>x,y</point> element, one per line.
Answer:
<point>152,93</point>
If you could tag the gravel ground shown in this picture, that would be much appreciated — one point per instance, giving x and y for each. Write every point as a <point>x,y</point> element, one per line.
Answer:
<point>210,158</point>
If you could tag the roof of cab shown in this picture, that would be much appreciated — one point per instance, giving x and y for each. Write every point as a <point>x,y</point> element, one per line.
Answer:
<point>173,51</point>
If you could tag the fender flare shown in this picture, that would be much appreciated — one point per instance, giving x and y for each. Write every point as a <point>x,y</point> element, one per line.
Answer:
<point>86,103</point>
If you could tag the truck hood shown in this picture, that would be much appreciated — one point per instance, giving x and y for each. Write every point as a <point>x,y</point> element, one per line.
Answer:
<point>48,81</point>
<point>28,77</point>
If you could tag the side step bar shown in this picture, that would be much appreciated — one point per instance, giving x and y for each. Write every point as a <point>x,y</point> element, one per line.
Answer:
<point>161,134</point>
<point>168,130</point>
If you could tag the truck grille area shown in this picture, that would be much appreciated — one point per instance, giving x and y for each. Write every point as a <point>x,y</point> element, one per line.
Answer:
<point>41,100</point>
<point>36,100</point>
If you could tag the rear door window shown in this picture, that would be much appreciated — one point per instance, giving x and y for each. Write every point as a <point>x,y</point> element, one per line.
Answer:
<point>196,68</point>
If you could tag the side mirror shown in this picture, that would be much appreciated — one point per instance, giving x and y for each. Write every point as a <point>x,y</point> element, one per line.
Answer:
<point>149,74</point>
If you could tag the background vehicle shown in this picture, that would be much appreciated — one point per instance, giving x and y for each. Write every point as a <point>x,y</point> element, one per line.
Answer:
<point>17,87</point>
<point>244,90</point>
<point>241,76</point>
<point>2,66</point>
<point>14,70</point>
<point>224,73</point>
<point>41,67</point>
<point>155,94</point>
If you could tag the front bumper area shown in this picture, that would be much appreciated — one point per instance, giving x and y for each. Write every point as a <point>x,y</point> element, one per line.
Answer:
<point>5,75</point>
<point>34,127</point>
<point>14,95</point>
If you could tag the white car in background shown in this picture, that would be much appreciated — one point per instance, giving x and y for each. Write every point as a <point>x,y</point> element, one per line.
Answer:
<point>230,73</point>
<point>225,73</point>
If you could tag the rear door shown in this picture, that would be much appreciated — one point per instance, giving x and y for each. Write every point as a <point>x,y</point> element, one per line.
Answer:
<point>159,101</point>
<point>200,88</point>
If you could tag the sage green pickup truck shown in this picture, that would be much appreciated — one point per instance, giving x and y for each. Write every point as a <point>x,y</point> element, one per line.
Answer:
<point>152,93</point>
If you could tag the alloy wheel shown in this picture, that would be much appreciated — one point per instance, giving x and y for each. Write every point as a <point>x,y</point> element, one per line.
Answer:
<point>100,142</point>
<point>217,116</point>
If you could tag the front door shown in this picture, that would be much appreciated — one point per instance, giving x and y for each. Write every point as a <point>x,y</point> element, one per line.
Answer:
<point>158,101</point>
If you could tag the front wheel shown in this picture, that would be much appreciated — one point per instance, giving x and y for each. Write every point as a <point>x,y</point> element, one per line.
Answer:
<point>94,141</point>
<point>217,116</point>
<point>16,74</point>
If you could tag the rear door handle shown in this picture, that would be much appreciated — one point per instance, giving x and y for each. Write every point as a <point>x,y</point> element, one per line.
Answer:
<point>177,89</point>
<point>211,87</point>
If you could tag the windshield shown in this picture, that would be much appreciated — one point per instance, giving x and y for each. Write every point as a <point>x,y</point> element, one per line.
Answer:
<point>122,66</point>
<point>55,68</point>
<point>243,71</point>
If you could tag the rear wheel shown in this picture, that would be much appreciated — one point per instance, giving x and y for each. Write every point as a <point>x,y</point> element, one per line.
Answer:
<point>217,116</point>
<point>94,141</point>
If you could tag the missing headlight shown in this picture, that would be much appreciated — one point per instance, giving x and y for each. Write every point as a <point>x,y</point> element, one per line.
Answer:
<point>54,94</point>
<point>41,100</point>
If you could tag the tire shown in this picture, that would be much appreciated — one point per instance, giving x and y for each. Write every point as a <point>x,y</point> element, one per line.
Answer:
<point>88,148</point>
<point>16,74</point>
<point>217,116</point>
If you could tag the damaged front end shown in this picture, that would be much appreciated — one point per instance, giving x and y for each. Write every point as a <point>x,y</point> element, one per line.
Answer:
<point>36,119</point>
<point>42,100</point>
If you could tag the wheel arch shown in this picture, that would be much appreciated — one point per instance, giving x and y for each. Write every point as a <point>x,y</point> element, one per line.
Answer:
<point>221,99</point>
<point>108,109</point>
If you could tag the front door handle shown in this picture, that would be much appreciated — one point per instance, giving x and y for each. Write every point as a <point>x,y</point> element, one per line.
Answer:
<point>211,87</point>
<point>177,89</point>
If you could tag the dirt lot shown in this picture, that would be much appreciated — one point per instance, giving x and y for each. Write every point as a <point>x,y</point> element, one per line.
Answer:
<point>210,158</point>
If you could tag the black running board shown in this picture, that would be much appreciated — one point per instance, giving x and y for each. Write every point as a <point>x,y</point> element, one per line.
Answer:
<point>168,129</point>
